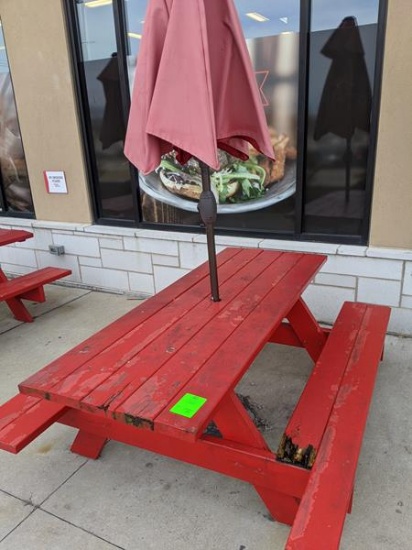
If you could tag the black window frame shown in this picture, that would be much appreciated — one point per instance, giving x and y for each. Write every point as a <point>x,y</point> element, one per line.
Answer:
<point>304,48</point>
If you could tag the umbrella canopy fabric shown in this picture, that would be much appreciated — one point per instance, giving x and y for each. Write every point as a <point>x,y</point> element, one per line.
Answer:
<point>195,90</point>
<point>347,98</point>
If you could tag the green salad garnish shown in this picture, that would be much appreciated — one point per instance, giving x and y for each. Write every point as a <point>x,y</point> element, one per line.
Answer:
<point>238,181</point>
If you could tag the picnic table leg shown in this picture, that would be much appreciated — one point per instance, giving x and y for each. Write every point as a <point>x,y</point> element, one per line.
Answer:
<point>308,330</point>
<point>16,306</point>
<point>88,445</point>
<point>19,311</point>
<point>235,424</point>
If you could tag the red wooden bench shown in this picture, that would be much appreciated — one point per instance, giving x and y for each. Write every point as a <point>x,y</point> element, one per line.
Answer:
<point>23,418</point>
<point>326,428</point>
<point>28,287</point>
<point>25,287</point>
<point>9,236</point>
<point>158,376</point>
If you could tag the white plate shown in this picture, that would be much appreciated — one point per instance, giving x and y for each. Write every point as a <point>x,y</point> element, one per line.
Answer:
<point>278,192</point>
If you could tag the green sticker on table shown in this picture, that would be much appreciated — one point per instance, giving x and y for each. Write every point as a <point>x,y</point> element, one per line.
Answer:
<point>188,405</point>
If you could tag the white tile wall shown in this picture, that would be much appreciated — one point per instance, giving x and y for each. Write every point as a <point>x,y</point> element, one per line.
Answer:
<point>146,261</point>
<point>350,250</point>
<point>192,254</point>
<point>86,246</point>
<point>325,302</point>
<point>41,240</point>
<point>390,253</point>
<point>17,255</point>
<point>152,246</point>
<point>407,279</point>
<point>406,302</point>
<point>115,243</point>
<point>14,269</point>
<point>316,248</point>
<point>336,280</point>
<point>98,277</point>
<point>165,276</point>
<point>226,240</point>
<point>376,291</point>
<point>142,283</point>
<point>91,262</point>
<point>126,261</point>
<point>66,261</point>
<point>159,259</point>
<point>401,321</point>
<point>364,267</point>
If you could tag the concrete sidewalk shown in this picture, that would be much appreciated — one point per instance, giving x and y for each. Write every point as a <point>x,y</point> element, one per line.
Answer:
<point>132,499</point>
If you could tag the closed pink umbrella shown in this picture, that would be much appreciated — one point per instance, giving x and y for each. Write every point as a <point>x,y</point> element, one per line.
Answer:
<point>195,91</point>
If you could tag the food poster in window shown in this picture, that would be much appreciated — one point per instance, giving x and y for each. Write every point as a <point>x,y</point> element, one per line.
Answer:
<point>257,193</point>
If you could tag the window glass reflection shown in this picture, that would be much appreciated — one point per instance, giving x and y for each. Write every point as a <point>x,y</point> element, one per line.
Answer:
<point>342,60</point>
<point>14,180</point>
<point>107,125</point>
<point>271,30</point>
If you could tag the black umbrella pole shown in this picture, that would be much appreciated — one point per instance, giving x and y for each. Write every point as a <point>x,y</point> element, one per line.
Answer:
<point>208,213</point>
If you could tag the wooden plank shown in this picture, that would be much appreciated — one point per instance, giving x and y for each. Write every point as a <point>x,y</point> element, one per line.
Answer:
<point>307,329</point>
<point>15,407</point>
<point>22,284</point>
<point>23,419</point>
<point>256,466</point>
<point>285,335</point>
<point>41,382</point>
<point>170,341</point>
<point>149,400</point>
<point>19,310</point>
<point>303,434</point>
<point>235,424</point>
<point>142,351</point>
<point>321,515</point>
<point>255,320</point>
<point>9,236</point>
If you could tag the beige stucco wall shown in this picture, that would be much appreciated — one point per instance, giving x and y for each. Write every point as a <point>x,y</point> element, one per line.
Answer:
<point>37,47</point>
<point>391,224</point>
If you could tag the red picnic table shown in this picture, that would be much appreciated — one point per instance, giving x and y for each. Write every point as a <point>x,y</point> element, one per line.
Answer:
<point>9,236</point>
<point>160,375</point>
<point>28,286</point>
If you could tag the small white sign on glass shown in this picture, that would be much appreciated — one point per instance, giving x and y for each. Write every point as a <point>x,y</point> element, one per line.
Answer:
<point>55,181</point>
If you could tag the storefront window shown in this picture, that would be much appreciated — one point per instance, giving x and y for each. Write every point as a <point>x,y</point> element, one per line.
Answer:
<point>15,195</point>
<point>341,74</point>
<point>272,33</point>
<point>105,119</point>
<point>316,86</point>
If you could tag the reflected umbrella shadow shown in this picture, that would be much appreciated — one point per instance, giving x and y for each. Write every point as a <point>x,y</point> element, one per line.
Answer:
<point>346,99</point>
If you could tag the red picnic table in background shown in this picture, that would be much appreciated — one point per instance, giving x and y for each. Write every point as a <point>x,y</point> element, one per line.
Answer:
<point>160,375</point>
<point>28,286</point>
<point>9,236</point>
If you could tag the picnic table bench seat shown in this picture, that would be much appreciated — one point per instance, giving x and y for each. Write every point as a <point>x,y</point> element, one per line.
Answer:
<point>158,376</point>
<point>23,418</point>
<point>28,287</point>
<point>327,426</point>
